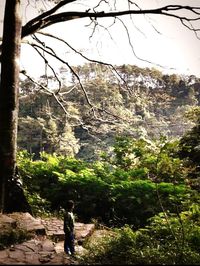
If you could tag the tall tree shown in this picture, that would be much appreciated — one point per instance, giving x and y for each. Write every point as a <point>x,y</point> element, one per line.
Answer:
<point>12,197</point>
<point>12,34</point>
<point>9,94</point>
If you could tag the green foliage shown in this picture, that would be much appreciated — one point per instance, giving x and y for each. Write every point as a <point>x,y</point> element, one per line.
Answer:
<point>38,179</point>
<point>146,100</point>
<point>113,191</point>
<point>71,163</point>
<point>101,190</point>
<point>113,249</point>
<point>39,206</point>
<point>142,159</point>
<point>135,201</point>
<point>144,195</point>
<point>189,151</point>
<point>193,113</point>
<point>168,240</point>
<point>190,145</point>
<point>128,150</point>
<point>143,184</point>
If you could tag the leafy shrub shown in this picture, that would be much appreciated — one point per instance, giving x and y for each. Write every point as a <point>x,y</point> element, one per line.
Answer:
<point>168,240</point>
<point>111,195</point>
<point>136,201</point>
<point>39,206</point>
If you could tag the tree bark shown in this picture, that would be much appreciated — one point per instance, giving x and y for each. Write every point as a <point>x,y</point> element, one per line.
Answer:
<point>10,190</point>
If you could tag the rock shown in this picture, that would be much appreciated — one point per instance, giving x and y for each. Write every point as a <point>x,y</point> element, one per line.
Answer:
<point>54,228</point>
<point>7,222</point>
<point>41,249</point>
<point>48,245</point>
<point>27,222</point>
<point>83,231</point>
<point>3,255</point>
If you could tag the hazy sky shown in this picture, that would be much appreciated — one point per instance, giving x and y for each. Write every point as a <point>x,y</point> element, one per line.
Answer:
<point>174,47</point>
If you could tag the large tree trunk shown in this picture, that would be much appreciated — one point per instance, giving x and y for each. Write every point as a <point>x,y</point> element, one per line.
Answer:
<point>11,194</point>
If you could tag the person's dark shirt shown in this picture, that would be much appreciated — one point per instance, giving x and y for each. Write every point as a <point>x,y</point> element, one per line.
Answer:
<point>68,222</point>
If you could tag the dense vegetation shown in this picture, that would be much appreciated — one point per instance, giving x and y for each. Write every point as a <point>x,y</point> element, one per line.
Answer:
<point>120,171</point>
<point>142,188</point>
<point>139,103</point>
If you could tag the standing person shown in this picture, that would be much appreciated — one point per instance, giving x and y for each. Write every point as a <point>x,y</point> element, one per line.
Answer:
<point>69,228</point>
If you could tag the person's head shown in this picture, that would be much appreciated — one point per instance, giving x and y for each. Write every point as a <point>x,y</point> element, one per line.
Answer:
<point>70,205</point>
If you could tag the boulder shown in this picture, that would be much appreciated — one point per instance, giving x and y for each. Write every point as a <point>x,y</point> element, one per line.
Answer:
<point>26,221</point>
<point>7,222</point>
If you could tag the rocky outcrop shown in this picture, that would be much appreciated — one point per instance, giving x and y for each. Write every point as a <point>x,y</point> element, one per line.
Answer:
<point>27,222</point>
<point>46,246</point>
<point>54,229</point>
<point>7,222</point>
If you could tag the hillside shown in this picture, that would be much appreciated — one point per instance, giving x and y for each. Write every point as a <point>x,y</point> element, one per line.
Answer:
<point>88,113</point>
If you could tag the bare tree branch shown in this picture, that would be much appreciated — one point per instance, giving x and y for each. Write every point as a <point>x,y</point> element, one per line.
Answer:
<point>49,12</point>
<point>48,65</point>
<point>87,58</point>
<point>132,48</point>
<point>93,108</point>
<point>49,92</point>
<point>39,23</point>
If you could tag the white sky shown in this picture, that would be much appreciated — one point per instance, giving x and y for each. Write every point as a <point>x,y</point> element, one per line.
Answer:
<point>176,48</point>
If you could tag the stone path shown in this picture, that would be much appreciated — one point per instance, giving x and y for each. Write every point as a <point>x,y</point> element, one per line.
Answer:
<point>46,247</point>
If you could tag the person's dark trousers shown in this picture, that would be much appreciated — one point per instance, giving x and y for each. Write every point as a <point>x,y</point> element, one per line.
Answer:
<point>69,244</point>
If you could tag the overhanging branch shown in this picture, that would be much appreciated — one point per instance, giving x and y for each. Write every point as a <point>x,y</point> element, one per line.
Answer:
<point>85,57</point>
<point>46,20</point>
